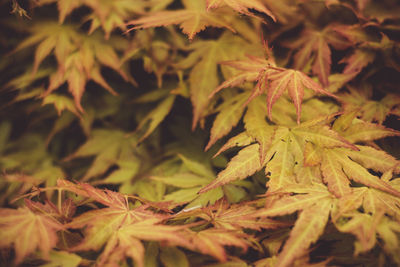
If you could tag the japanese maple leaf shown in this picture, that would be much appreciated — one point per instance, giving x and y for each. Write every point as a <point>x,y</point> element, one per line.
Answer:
<point>107,14</point>
<point>363,226</point>
<point>192,19</point>
<point>369,110</point>
<point>100,223</point>
<point>257,127</point>
<point>241,6</point>
<point>189,180</point>
<point>203,62</point>
<point>126,240</point>
<point>342,161</point>
<point>118,227</point>
<point>315,204</point>
<point>357,61</point>
<point>274,81</point>
<point>371,224</point>
<point>79,58</point>
<point>361,131</point>
<point>27,231</point>
<point>232,217</point>
<point>110,147</point>
<point>314,45</point>
<point>342,167</point>
<point>372,201</point>
<point>112,14</point>
<point>283,147</point>
<point>230,112</point>
<point>212,241</point>
<point>244,164</point>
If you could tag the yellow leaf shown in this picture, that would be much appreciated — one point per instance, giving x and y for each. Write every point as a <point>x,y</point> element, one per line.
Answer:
<point>333,175</point>
<point>242,139</point>
<point>365,131</point>
<point>228,117</point>
<point>308,228</point>
<point>257,127</point>
<point>244,164</point>
<point>361,175</point>
<point>156,116</point>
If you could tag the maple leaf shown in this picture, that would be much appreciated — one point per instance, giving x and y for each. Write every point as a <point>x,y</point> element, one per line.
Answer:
<point>241,6</point>
<point>116,214</point>
<point>370,224</point>
<point>358,173</point>
<point>371,200</point>
<point>112,14</point>
<point>204,76</point>
<point>59,38</point>
<point>364,131</point>
<point>357,61</point>
<point>192,177</point>
<point>61,103</point>
<point>26,163</point>
<point>192,19</point>
<point>314,46</point>
<point>309,225</point>
<point>108,14</point>
<point>119,227</point>
<point>212,241</point>
<point>63,258</point>
<point>257,127</point>
<point>387,230</point>
<point>125,242</point>
<point>295,82</point>
<point>283,149</point>
<point>28,231</point>
<point>245,163</point>
<point>363,226</point>
<point>232,217</point>
<point>79,58</point>
<point>375,159</point>
<point>274,81</point>
<point>156,116</point>
<point>230,112</point>
<point>308,228</point>
<point>242,139</point>
<point>109,146</point>
<point>251,69</point>
<point>367,109</point>
<point>338,183</point>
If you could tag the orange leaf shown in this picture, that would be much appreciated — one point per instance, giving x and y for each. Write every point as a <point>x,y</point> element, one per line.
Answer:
<point>192,19</point>
<point>241,6</point>
<point>295,82</point>
<point>212,241</point>
<point>27,231</point>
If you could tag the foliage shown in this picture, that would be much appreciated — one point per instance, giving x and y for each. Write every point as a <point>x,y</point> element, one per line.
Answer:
<point>230,133</point>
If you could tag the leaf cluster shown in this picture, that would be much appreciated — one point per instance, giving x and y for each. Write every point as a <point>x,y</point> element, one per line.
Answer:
<point>230,133</point>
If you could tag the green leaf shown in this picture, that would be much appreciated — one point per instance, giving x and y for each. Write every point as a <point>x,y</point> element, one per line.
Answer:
<point>155,117</point>
<point>172,257</point>
<point>62,259</point>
